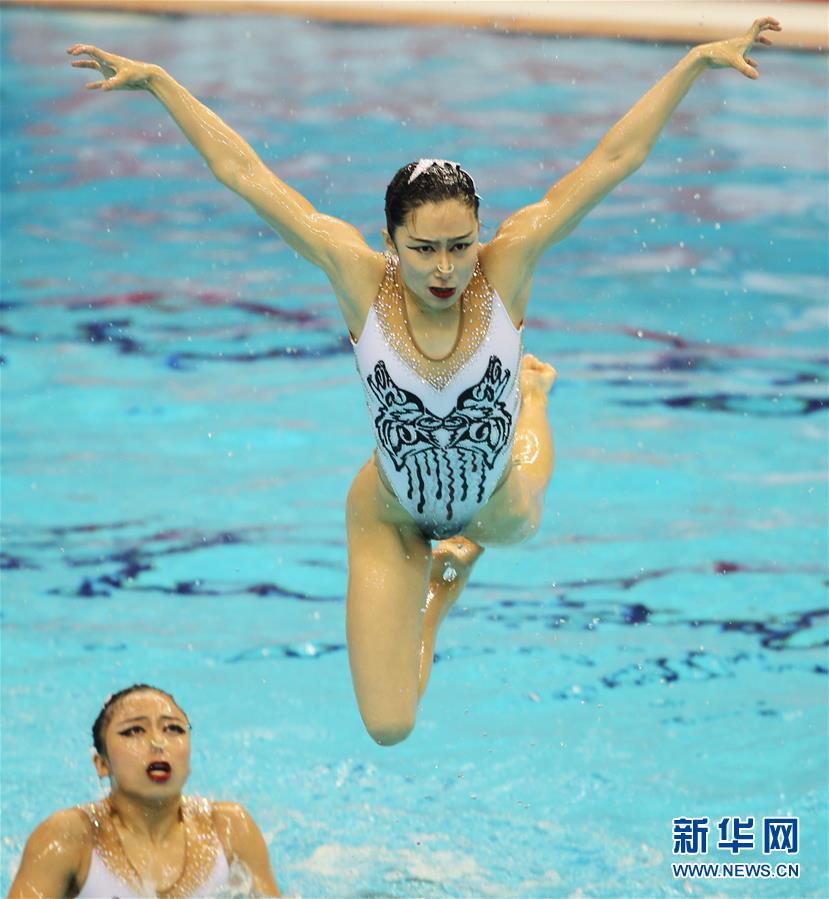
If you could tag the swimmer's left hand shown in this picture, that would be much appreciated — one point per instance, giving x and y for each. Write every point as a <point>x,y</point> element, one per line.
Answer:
<point>732,53</point>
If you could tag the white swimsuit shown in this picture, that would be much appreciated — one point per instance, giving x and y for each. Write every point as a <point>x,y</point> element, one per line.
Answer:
<point>444,428</point>
<point>101,883</point>
<point>108,863</point>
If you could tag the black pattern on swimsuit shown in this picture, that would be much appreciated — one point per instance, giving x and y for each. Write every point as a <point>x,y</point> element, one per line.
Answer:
<point>445,448</point>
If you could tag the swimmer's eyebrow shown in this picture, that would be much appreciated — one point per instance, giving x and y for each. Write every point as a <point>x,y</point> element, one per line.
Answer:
<point>146,718</point>
<point>451,239</point>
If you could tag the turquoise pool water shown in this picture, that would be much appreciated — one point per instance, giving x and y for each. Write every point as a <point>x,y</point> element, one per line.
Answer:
<point>182,420</point>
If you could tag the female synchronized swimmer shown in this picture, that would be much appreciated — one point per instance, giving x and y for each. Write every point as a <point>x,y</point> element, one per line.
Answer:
<point>464,450</point>
<point>145,838</point>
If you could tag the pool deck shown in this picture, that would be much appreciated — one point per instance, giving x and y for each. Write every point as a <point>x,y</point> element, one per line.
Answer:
<point>806,24</point>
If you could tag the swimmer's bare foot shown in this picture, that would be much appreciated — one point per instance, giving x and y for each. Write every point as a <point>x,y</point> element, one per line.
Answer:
<point>452,562</point>
<point>536,377</point>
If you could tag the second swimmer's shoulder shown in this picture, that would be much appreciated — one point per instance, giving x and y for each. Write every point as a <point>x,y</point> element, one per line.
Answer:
<point>69,825</point>
<point>63,842</point>
<point>229,814</point>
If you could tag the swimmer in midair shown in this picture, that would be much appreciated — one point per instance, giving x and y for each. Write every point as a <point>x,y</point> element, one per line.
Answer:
<point>145,838</point>
<point>464,449</point>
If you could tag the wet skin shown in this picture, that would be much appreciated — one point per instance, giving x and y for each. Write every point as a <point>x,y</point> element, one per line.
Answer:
<point>390,562</point>
<point>437,246</point>
<point>147,727</point>
<point>146,756</point>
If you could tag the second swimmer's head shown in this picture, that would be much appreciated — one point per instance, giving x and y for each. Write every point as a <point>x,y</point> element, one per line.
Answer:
<point>142,743</point>
<point>102,722</point>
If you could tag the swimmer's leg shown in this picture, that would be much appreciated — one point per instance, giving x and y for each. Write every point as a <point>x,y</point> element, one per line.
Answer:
<point>513,512</point>
<point>397,597</point>
<point>517,510</point>
<point>389,562</point>
<point>452,562</point>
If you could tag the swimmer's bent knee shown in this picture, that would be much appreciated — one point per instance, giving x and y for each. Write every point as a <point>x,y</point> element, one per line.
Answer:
<point>520,520</point>
<point>521,528</point>
<point>388,732</point>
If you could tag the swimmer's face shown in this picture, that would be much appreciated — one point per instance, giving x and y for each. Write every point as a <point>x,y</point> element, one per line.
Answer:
<point>147,745</point>
<point>433,238</point>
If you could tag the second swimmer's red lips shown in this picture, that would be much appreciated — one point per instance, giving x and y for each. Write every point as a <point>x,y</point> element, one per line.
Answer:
<point>442,292</point>
<point>160,772</point>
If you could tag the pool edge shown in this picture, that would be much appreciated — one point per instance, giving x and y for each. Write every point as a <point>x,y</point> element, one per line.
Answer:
<point>806,24</point>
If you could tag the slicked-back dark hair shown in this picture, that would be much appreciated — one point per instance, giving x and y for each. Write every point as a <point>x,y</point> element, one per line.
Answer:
<point>442,180</point>
<point>106,713</point>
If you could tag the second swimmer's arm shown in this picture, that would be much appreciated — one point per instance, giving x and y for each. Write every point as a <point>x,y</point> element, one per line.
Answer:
<point>242,840</point>
<point>53,856</point>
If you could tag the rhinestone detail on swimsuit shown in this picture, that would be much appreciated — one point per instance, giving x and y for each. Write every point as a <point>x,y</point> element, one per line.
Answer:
<point>200,847</point>
<point>476,312</point>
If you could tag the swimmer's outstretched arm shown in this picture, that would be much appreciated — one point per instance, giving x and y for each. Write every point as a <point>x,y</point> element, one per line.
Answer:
<point>334,245</point>
<point>524,236</point>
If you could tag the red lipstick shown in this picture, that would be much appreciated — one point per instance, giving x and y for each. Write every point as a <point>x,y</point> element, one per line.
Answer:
<point>159,772</point>
<point>442,293</point>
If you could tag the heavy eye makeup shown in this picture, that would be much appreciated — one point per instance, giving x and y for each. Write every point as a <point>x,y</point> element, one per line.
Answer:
<point>131,731</point>
<point>426,249</point>
<point>172,728</point>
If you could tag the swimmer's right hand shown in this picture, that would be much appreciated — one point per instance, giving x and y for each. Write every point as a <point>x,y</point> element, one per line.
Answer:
<point>119,72</point>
